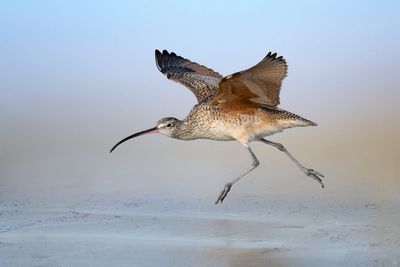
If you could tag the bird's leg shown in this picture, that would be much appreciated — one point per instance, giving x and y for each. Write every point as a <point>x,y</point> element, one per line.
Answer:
<point>228,186</point>
<point>309,172</point>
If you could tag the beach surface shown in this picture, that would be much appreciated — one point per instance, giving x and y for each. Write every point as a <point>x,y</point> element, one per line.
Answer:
<point>249,231</point>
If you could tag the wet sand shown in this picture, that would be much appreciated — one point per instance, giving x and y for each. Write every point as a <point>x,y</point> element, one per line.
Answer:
<point>165,232</point>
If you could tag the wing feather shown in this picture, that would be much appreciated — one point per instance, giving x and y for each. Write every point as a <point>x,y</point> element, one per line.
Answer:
<point>259,84</point>
<point>202,81</point>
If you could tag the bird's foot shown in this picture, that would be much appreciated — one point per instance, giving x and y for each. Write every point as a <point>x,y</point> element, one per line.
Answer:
<point>315,175</point>
<point>224,193</point>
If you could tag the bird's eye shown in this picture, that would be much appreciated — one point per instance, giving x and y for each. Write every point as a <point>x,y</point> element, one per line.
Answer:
<point>169,125</point>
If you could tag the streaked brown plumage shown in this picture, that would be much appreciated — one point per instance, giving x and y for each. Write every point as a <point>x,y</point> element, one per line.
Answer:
<point>241,106</point>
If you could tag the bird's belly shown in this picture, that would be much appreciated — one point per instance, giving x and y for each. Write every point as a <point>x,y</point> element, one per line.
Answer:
<point>219,131</point>
<point>244,132</point>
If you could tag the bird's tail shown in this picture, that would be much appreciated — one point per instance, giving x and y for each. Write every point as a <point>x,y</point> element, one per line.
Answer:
<point>287,119</point>
<point>294,120</point>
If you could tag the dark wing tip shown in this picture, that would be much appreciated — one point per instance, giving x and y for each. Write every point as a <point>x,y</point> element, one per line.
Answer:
<point>163,59</point>
<point>274,57</point>
<point>169,63</point>
<point>158,57</point>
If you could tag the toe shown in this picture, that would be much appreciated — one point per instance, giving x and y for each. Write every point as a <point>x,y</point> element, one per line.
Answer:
<point>221,197</point>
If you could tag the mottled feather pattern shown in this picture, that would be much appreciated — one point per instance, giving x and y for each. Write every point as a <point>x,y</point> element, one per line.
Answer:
<point>241,106</point>
<point>202,81</point>
<point>210,121</point>
<point>283,115</point>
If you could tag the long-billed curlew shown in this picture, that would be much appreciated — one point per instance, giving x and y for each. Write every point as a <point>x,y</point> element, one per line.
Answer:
<point>241,106</point>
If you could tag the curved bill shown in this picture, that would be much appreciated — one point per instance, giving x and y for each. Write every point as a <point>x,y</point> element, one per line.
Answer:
<point>152,130</point>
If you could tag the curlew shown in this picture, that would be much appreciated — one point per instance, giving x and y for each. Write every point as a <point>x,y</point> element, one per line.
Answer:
<point>242,107</point>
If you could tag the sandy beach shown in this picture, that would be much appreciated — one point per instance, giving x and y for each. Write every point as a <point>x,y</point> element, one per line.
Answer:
<point>166,232</point>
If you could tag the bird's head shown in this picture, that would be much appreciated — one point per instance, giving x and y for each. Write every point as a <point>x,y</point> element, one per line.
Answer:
<point>166,126</point>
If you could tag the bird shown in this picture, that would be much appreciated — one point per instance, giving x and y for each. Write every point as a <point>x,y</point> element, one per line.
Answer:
<point>239,107</point>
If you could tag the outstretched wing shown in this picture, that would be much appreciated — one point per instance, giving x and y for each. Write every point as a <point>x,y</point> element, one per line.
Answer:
<point>259,84</point>
<point>202,81</point>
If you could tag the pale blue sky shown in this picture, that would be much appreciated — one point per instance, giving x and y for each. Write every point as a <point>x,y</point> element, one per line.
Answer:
<point>75,76</point>
<point>56,46</point>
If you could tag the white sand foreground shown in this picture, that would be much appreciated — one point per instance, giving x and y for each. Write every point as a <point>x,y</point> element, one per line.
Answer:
<point>165,232</point>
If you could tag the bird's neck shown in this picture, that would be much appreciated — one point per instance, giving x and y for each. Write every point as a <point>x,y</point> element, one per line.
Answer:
<point>183,131</point>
